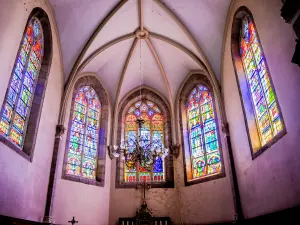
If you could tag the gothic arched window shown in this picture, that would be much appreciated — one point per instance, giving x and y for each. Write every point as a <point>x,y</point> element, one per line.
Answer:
<point>264,121</point>
<point>153,131</point>
<point>267,114</point>
<point>21,90</point>
<point>203,135</point>
<point>84,134</point>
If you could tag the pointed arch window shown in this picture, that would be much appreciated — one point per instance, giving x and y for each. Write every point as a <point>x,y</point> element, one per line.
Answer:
<point>153,130</point>
<point>84,134</point>
<point>266,111</point>
<point>203,135</point>
<point>18,101</point>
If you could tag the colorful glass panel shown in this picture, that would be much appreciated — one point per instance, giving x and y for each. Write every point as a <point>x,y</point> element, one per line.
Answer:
<point>84,134</point>
<point>204,145</point>
<point>152,131</point>
<point>16,107</point>
<point>267,114</point>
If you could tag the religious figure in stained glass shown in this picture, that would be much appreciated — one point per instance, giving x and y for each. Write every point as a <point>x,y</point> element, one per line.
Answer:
<point>203,135</point>
<point>152,131</point>
<point>17,104</point>
<point>84,134</point>
<point>268,120</point>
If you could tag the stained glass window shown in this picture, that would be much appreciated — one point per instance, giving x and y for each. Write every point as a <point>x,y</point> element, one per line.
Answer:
<point>203,135</point>
<point>152,131</point>
<point>84,134</point>
<point>16,107</point>
<point>268,120</point>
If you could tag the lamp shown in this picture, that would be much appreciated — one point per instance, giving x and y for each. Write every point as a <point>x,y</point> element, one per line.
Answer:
<point>139,150</point>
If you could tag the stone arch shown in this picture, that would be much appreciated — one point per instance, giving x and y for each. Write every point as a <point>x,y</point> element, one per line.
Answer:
<point>195,78</point>
<point>93,82</point>
<point>41,84</point>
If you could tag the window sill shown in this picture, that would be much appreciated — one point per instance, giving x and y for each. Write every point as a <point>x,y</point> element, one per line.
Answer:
<point>268,145</point>
<point>205,179</point>
<point>15,148</point>
<point>167,184</point>
<point>83,180</point>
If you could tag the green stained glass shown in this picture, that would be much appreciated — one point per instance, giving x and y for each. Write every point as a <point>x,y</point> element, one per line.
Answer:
<point>202,132</point>
<point>259,81</point>
<point>84,134</point>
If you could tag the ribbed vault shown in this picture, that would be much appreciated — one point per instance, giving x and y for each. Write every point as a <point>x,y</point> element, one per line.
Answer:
<point>139,42</point>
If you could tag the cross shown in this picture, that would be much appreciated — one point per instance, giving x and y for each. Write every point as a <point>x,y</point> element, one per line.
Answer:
<point>73,221</point>
<point>145,186</point>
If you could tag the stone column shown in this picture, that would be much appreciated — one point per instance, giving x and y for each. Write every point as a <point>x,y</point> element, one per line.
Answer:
<point>235,188</point>
<point>53,176</point>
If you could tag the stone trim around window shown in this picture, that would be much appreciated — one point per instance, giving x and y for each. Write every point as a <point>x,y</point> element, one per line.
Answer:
<point>101,153</point>
<point>146,94</point>
<point>245,95</point>
<point>37,103</point>
<point>190,83</point>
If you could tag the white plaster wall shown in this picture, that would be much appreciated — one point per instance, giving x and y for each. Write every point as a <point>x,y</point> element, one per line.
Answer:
<point>24,184</point>
<point>271,182</point>
<point>88,203</point>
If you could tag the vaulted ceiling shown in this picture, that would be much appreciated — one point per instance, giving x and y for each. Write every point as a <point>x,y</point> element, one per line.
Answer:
<point>150,42</point>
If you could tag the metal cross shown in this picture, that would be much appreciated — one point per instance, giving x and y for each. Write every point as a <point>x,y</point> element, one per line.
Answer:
<point>73,221</point>
<point>144,186</point>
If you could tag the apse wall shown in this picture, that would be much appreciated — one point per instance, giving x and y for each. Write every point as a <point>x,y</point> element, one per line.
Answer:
<point>24,184</point>
<point>271,182</point>
<point>202,203</point>
<point>88,203</point>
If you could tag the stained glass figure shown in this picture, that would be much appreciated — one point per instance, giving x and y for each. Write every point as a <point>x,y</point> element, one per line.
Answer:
<point>16,107</point>
<point>84,134</point>
<point>203,136</point>
<point>268,120</point>
<point>152,131</point>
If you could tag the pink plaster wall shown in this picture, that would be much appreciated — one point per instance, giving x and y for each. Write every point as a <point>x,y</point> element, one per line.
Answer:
<point>271,182</point>
<point>125,202</point>
<point>89,204</point>
<point>24,184</point>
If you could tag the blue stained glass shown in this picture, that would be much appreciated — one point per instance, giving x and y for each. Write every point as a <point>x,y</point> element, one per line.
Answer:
<point>15,83</point>
<point>158,166</point>
<point>19,69</point>
<point>12,96</point>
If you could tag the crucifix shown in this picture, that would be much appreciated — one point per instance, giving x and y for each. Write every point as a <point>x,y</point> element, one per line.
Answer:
<point>73,221</point>
<point>144,186</point>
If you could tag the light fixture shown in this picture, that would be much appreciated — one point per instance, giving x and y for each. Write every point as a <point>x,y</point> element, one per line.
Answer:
<point>140,150</point>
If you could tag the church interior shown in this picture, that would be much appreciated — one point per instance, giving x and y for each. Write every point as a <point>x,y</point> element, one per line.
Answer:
<point>149,112</point>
